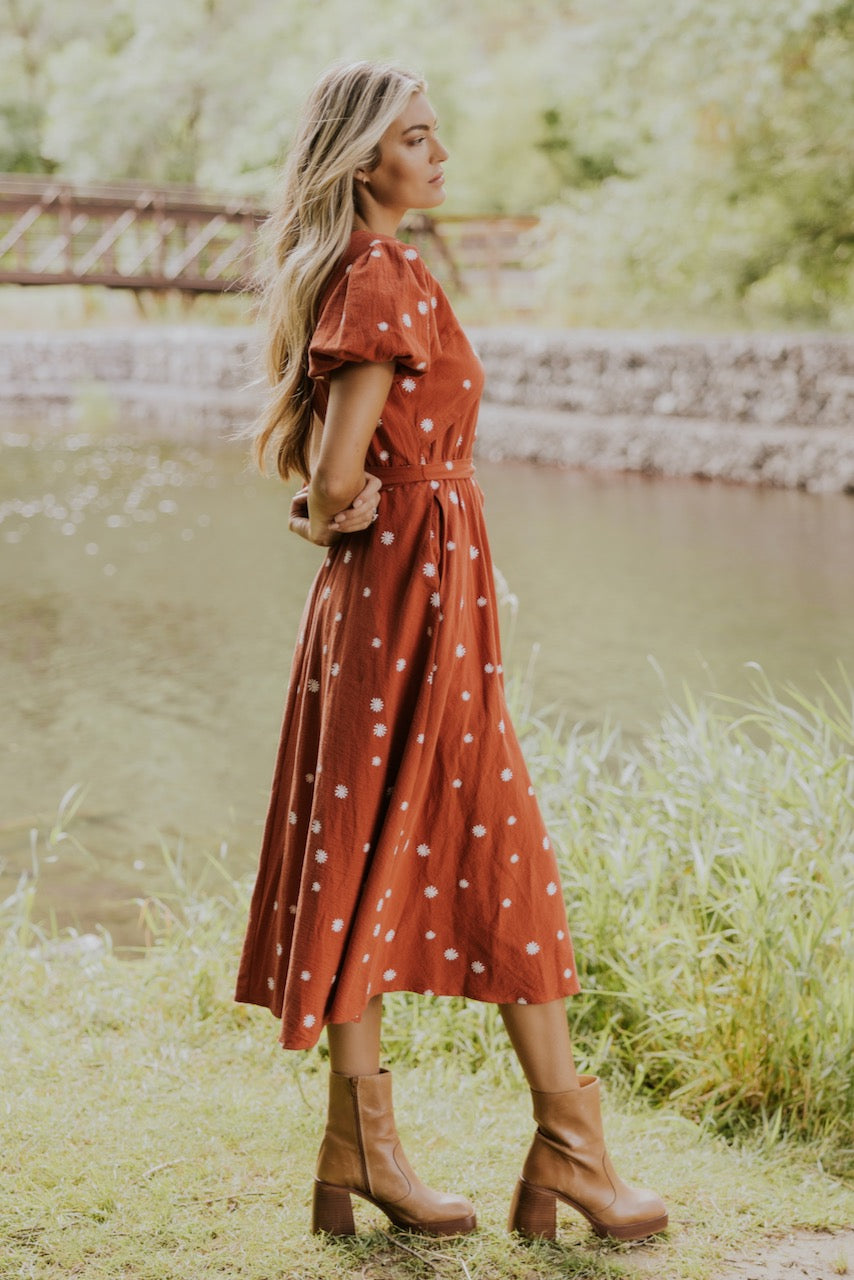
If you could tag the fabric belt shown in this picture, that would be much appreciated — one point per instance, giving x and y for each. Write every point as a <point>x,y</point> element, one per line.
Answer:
<point>453,469</point>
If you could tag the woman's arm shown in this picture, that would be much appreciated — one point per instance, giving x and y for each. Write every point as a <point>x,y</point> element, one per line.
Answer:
<point>355,518</point>
<point>357,396</point>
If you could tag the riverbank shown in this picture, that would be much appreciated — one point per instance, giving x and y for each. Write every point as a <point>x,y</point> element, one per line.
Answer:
<point>753,408</point>
<point>156,1130</point>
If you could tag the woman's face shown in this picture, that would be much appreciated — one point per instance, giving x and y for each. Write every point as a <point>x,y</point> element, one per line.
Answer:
<point>409,174</point>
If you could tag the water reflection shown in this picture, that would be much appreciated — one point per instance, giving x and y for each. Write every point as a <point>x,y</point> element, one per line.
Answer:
<point>151,597</point>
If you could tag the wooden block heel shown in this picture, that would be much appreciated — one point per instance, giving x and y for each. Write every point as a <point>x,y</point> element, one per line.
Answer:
<point>332,1210</point>
<point>533,1211</point>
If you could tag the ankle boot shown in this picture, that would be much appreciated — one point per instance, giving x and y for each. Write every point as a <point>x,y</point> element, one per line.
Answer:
<point>361,1155</point>
<point>568,1161</point>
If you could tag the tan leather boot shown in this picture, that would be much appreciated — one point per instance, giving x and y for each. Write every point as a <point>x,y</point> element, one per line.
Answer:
<point>361,1154</point>
<point>568,1161</point>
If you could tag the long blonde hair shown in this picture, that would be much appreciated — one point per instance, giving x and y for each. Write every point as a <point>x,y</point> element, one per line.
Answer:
<point>339,131</point>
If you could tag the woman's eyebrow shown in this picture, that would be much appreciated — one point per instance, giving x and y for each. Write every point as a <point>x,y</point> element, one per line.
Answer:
<point>426,127</point>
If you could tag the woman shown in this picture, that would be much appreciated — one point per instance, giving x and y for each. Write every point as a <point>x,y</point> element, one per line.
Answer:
<point>403,849</point>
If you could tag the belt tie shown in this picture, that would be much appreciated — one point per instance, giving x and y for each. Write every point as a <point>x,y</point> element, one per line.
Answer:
<point>452,469</point>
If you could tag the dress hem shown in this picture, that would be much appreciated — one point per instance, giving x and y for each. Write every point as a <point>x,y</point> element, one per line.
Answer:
<point>571,988</point>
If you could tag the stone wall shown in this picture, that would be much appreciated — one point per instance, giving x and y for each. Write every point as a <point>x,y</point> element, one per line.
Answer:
<point>756,408</point>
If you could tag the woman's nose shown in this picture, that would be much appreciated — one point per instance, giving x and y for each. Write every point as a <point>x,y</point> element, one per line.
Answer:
<point>440,153</point>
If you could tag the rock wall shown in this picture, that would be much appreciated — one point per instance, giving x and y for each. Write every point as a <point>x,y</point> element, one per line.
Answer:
<point>755,408</point>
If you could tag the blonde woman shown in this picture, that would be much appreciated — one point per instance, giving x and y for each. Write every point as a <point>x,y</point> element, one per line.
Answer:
<point>404,849</point>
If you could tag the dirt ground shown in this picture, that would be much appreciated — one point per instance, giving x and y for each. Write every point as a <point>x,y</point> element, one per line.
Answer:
<point>799,1255</point>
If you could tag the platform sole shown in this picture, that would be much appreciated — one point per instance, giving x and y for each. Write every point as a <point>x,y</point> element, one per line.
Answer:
<point>332,1212</point>
<point>533,1213</point>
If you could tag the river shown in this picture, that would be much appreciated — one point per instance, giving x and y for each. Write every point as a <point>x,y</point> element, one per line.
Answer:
<point>151,594</point>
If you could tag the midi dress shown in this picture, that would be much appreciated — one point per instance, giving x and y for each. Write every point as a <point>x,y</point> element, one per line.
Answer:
<point>404,849</point>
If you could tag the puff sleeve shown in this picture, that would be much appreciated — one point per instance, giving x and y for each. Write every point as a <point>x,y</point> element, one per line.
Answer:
<point>383,308</point>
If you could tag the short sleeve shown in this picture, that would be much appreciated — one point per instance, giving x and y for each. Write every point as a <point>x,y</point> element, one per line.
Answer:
<point>383,308</point>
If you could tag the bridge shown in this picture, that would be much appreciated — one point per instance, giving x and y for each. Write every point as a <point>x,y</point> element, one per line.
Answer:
<point>131,235</point>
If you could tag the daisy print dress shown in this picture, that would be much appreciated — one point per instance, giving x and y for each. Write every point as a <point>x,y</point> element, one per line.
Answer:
<point>403,847</point>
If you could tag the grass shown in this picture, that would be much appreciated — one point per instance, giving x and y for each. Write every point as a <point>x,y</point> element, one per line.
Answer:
<point>153,1129</point>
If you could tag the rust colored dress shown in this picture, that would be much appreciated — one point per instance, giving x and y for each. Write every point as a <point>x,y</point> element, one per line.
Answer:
<point>403,848</point>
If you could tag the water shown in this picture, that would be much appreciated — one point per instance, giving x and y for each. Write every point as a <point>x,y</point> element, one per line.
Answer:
<point>151,594</point>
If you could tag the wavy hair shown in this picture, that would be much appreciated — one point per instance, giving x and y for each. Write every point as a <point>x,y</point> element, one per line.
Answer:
<point>339,131</point>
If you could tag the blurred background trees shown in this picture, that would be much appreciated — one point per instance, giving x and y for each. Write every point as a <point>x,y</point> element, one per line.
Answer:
<point>691,160</point>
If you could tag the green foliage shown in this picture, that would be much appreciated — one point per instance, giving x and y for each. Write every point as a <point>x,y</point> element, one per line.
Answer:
<point>709,879</point>
<point>693,158</point>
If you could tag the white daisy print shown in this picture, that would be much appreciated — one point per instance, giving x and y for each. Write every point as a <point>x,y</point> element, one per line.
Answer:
<point>451,954</point>
<point>390,975</point>
<point>408,384</point>
<point>426,425</point>
<point>429,570</point>
<point>479,830</point>
<point>337,925</point>
<point>380,730</point>
<point>321,855</point>
<point>431,891</point>
<point>341,791</point>
<point>551,888</point>
<point>506,775</point>
<point>477,966</point>
<point>313,685</point>
<point>400,664</point>
<point>382,326</point>
<point>386,537</point>
<point>532,948</point>
<point>377,704</point>
<point>407,319</point>
<point>309,1020</point>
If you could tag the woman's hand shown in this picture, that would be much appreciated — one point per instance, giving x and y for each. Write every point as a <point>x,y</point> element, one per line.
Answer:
<point>358,516</point>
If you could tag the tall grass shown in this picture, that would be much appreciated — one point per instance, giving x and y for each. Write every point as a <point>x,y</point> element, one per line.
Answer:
<point>709,878</point>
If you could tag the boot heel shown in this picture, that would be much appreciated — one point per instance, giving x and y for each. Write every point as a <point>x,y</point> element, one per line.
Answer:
<point>332,1210</point>
<point>533,1211</point>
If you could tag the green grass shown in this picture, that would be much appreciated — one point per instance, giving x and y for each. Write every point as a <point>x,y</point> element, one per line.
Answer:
<point>152,1128</point>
